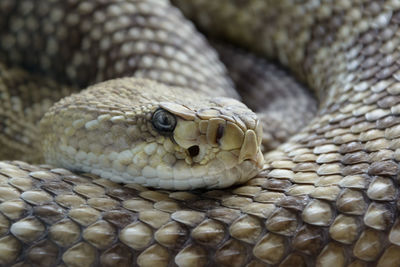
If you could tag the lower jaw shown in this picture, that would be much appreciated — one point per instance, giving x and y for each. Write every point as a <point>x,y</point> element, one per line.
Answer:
<point>226,178</point>
<point>222,180</point>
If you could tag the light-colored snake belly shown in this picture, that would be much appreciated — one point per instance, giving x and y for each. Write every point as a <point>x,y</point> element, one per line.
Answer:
<point>328,196</point>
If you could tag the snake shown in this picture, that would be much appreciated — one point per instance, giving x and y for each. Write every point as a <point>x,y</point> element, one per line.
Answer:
<point>159,163</point>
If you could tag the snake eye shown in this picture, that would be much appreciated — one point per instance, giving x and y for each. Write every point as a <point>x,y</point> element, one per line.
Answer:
<point>163,121</point>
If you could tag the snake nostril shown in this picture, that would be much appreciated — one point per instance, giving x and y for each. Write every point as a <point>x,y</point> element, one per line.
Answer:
<point>220,133</point>
<point>194,151</point>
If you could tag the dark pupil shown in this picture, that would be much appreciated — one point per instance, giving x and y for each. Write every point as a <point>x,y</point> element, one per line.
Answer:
<point>163,121</point>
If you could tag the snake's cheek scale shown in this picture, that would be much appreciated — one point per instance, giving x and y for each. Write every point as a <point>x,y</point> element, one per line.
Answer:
<point>328,197</point>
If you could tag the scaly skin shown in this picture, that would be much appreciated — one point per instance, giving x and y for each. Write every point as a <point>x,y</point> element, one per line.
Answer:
<point>328,197</point>
<point>108,130</point>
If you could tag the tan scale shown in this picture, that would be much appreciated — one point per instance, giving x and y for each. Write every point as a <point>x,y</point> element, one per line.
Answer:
<point>140,155</point>
<point>326,196</point>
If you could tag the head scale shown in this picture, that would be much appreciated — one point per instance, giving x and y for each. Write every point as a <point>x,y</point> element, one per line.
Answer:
<point>131,130</point>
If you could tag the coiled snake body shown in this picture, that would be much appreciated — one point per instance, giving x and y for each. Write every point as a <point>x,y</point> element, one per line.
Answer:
<point>328,196</point>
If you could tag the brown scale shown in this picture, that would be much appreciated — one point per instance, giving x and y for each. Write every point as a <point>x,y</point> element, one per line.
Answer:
<point>259,82</point>
<point>24,100</point>
<point>365,165</point>
<point>82,43</point>
<point>328,197</point>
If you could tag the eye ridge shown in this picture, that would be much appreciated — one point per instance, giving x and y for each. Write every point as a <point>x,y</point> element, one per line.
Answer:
<point>163,121</point>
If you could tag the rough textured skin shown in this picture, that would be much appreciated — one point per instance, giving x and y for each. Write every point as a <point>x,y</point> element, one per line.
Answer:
<point>329,196</point>
<point>281,103</point>
<point>24,99</point>
<point>108,130</point>
<point>81,43</point>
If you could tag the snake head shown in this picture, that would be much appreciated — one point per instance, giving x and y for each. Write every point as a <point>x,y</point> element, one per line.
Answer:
<point>134,130</point>
<point>219,142</point>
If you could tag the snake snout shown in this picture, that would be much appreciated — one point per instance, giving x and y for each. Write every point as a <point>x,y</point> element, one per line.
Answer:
<point>250,148</point>
<point>231,137</point>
